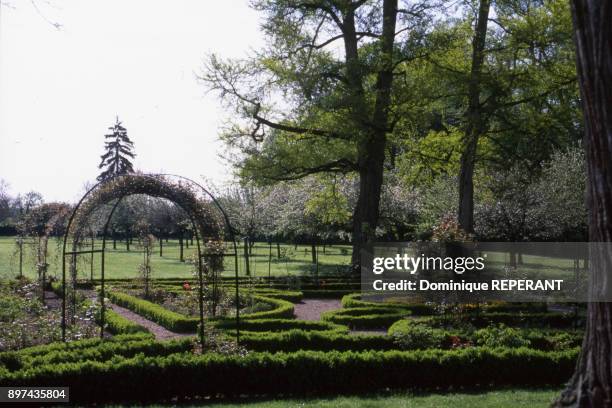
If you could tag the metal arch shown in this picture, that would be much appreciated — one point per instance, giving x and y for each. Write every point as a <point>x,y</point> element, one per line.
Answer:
<point>226,220</point>
<point>232,237</point>
<point>102,292</point>
<point>66,233</point>
<point>196,229</point>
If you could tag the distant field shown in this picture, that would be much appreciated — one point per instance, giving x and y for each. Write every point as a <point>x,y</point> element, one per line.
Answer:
<point>123,264</point>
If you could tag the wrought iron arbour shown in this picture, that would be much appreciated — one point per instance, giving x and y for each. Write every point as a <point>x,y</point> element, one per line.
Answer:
<point>161,179</point>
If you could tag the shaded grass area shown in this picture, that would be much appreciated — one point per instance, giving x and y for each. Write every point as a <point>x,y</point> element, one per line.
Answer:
<point>493,399</point>
<point>121,263</point>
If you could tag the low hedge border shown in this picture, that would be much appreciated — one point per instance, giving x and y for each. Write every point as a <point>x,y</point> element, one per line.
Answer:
<point>183,324</point>
<point>77,345</point>
<point>279,325</point>
<point>143,379</point>
<point>282,309</point>
<point>365,317</point>
<point>295,339</point>
<point>117,324</point>
<point>124,347</point>
<point>354,300</point>
<point>173,321</point>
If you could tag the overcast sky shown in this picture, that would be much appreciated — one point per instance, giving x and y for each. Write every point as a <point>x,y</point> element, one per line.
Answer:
<point>61,89</point>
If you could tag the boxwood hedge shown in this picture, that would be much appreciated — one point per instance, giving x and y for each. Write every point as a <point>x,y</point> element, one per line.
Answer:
<point>183,324</point>
<point>142,379</point>
<point>295,339</point>
<point>275,325</point>
<point>117,324</point>
<point>365,317</point>
<point>354,300</point>
<point>170,320</point>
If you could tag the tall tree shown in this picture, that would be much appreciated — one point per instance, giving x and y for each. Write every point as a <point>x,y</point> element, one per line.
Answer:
<point>474,121</point>
<point>507,82</point>
<point>118,148</point>
<point>591,385</point>
<point>333,65</point>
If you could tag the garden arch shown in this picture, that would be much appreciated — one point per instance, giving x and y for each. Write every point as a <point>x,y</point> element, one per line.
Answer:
<point>193,198</point>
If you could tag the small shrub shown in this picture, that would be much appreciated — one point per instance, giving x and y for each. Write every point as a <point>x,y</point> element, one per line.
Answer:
<point>419,336</point>
<point>500,336</point>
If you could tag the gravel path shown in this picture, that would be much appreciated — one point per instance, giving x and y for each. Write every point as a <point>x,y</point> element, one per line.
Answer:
<point>160,333</point>
<point>311,309</point>
<point>369,332</point>
<point>52,301</point>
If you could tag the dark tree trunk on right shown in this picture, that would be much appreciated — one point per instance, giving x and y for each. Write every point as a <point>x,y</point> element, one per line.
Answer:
<point>591,384</point>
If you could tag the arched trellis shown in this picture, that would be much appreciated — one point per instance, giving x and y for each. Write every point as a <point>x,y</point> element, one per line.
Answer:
<point>42,222</point>
<point>155,185</point>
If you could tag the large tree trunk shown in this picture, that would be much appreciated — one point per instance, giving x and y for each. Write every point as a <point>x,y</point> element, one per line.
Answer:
<point>372,150</point>
<point>365,216</point>
<point>474,126</point>
<point>591,384</point>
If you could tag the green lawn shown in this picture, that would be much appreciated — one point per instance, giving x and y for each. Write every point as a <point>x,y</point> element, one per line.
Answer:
<point>123,264</point>
<point>491,399</point>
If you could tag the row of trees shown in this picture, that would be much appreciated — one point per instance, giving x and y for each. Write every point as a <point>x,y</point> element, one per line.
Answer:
<point>359,79</point>
<point>430,89</point>
<point>510,205</point>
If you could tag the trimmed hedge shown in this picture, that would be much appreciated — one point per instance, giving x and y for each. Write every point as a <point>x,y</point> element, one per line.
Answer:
<point>282,309</point>
<point>365,317</point>
<point>143,379</point>
<point>103,350</point>
<point>173,321</point>
<point>183,324</point>
<point>275,325</point>
<point>295,339</point>
<point>117,324</point>
<point>353,300</point>
<point>79,344</point>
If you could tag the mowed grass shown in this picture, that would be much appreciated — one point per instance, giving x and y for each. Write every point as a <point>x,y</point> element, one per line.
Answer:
<point>296,261</point>
<point>120,263</point>
<point>490,399</point>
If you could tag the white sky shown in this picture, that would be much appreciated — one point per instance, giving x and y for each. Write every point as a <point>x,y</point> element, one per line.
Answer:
<point>60,90</point>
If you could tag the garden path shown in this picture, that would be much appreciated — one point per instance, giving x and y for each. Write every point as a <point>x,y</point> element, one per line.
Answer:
<point>52,300</point>
<point>160,333</point>
<point>311,309</point>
